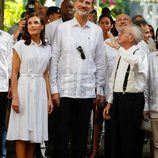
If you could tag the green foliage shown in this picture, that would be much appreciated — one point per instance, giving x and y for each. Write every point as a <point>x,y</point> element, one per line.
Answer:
<point>42,2</point>
<point>118,7</point>
<point>12,12</point>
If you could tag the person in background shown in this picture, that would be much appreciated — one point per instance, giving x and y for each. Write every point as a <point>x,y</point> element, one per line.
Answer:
<point>16,30</point>
<point>151,103</point>
<point>5,71</point>
<point>37,6</point>
<point>93,16</point>
<point>152,32</point>
<point>145,29</point>
<point>67,13</point>
<point>53,13</point>
<point>152,41</point>
<point>147,44</point>
<point>106,24</point>
<point>29,115</point>
<point>77,78</point>
<point>136,18</point>
<point>17,35</point>
<point>43,12</point>
<point>33,6</point>
<point>105,11</point>
<point>156,39</point>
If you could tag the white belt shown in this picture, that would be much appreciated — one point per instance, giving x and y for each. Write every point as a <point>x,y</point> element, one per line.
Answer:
<point>31,102</point>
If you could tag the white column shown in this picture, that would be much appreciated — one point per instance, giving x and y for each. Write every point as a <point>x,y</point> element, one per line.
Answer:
<point>97,5</point>
<point>154,16</point>
<point>145,13</point>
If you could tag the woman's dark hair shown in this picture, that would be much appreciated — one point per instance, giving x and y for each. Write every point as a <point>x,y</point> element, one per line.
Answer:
<point>26,35</point>
<point>152,31</point>
<point>108,16</point>
<point>106,10</point>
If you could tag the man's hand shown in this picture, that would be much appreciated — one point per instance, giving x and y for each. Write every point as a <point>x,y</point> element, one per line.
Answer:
<point>99,100</point>
<point>56,99</point>
<point>106,112</point>
<point>114,43</point>
<point>50,106</point>
<point>146,115</point>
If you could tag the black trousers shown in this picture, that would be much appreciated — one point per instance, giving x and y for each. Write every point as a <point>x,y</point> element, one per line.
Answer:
<point>3,106</point>
<point>126,135</point>
<point>71,118</point>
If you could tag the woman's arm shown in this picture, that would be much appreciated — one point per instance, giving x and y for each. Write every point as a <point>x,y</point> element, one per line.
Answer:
<point>14,80</point>
<point>50,104</point>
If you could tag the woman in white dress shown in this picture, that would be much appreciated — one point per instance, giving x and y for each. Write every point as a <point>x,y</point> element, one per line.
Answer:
<point>31,97</point>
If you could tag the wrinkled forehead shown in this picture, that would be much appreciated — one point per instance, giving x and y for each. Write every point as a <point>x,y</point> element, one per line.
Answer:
<point>91,1</point>
<point>123,17</point>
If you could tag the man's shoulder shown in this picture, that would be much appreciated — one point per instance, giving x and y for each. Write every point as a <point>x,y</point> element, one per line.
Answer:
<point>143,46</point>
<point>54,23</point>
<point>142,43</point>
<point>94,26</point>
<point>152,55</point>
<point>5,36</point>
<point>3,33</point>
<point>152,59</point>
<point>66,23</point>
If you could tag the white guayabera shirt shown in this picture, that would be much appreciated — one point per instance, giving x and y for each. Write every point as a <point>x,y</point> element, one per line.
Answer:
<point>70,75</point>
<point>6,44</point>
<point>50,30</point>
<point>151,91</point>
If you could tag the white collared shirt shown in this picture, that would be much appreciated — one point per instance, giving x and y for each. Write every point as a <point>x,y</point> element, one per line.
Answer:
<point>110,54</point>
<point>6,44</point>
<point>151,90</point>
<point>144,47</point>
<point>138,71</point>
<point>50,30</point>
<point>70,75</point>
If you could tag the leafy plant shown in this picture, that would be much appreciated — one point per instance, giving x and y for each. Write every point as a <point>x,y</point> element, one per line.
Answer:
<point>42,1</point>
<point>116,6</point>
<point>12,12</point>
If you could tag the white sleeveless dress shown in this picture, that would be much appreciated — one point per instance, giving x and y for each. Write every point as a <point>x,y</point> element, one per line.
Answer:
<point>31,124</point>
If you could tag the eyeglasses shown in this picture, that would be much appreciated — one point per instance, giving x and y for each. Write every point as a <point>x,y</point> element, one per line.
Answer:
<point>79,48</point>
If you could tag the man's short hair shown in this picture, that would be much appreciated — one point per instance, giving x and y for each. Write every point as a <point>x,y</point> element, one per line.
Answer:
<point>140,23</point>
<point>52,10</point>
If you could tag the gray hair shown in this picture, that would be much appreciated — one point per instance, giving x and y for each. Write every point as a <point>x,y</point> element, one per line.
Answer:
<point>137,33</point>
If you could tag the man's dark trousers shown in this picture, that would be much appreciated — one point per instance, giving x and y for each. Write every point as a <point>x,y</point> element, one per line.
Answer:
<point>126,135</point>
<point>3,106</point>
<point>71,118</point>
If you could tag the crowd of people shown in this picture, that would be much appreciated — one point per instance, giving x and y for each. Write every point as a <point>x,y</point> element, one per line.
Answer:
<point>67,62</point>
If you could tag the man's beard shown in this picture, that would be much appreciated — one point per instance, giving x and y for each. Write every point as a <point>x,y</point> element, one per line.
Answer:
<point>82,13</point>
